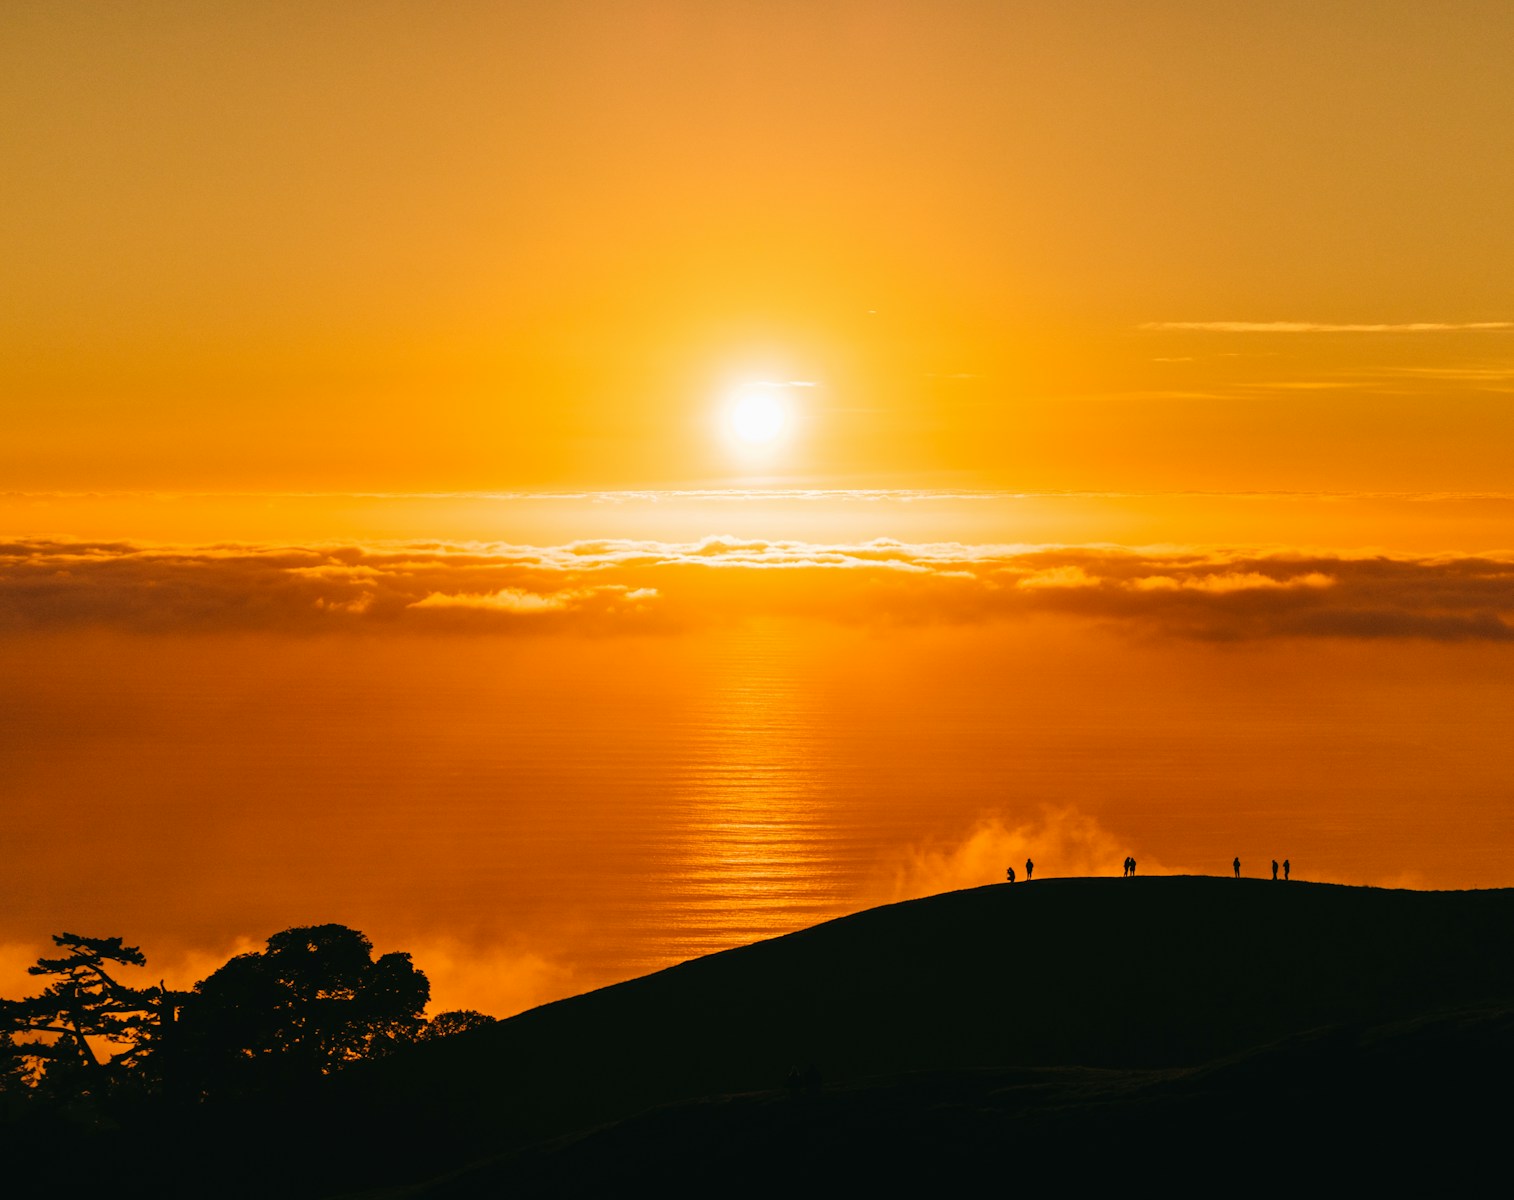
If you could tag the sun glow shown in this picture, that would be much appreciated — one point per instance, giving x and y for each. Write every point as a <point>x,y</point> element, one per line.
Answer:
<point>757,415</point>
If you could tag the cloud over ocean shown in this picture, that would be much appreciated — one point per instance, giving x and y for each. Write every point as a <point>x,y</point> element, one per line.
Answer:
<point>638,586</point>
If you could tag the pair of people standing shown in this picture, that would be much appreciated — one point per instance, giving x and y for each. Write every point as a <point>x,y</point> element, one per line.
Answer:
<point>1287,866</point>
<point>1129,865</point>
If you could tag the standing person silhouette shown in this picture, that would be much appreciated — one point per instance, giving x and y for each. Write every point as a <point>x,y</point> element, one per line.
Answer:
<point>1286,864</point>
<point>1132,865</point>
<point>1237,865</point>
<point>1029,868</point>
<point>1274,870</point>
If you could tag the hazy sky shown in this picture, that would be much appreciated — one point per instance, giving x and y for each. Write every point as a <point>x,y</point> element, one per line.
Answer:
<point>1074,245</point>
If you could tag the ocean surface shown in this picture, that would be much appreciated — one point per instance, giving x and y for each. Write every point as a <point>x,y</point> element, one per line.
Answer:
<point>533,816</point>
<point>542,763</point>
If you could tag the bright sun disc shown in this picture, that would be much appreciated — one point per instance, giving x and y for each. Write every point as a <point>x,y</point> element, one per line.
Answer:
<point>757,415</point>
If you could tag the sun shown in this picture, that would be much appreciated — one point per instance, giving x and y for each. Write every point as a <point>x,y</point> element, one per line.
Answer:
<point>757,415</point>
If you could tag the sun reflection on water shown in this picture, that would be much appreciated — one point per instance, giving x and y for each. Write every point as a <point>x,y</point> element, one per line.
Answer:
<point>754,833</point>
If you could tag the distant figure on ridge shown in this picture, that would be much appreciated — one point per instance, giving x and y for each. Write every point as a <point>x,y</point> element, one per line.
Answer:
<point>1129,865</point>
<point>1010,873</point>
<point>1029,868</point>
<point>1285,870</point>
<point>1132,865</point>
<point>1237,865</point>
<point>1274,870</point>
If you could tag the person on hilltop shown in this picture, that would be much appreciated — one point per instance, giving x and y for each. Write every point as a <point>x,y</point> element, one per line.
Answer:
<point>1128,865</point>
<point>1286,865</point>
<point>1010,874</point>
<point>1274,870</point>
<point>1132,866</point>
<point>1237,865</point>
<point>1029,869</point>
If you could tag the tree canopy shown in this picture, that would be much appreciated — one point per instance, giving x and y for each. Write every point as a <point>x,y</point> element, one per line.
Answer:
<point>84,1004</point>
<point>313,1000</point>
<point>455,1021</point>
<point>310,1002</point>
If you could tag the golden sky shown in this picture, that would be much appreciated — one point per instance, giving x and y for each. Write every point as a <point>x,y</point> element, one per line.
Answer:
<point>565,487</point>
<point>1088,245</point>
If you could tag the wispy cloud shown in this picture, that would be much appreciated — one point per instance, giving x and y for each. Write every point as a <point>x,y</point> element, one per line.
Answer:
<point>1503,373</point>
<point>1324,327</point>
<point>1304,385</point>
<point>523,603</point>
<point>622,585</point>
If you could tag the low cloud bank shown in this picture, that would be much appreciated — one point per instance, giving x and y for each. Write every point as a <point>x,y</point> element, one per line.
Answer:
<point>498,980</point>
<point>644,586</point>
<point>1061,842</point>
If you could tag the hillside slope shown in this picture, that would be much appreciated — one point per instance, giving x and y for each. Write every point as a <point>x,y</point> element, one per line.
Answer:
<point>1037,1019</point>
<point>1111,973</point>
<point>1344,1108</point>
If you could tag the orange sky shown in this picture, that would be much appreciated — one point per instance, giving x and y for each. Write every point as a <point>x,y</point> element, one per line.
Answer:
<point>403,246</point>
<point>374,545</point>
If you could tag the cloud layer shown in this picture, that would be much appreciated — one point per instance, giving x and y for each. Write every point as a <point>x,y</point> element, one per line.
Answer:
<point>625,585</point>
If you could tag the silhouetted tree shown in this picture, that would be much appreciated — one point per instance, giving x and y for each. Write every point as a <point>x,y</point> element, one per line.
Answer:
<point>16,1078</point>
<point>84,1001</point>
<point>15,1071</point>
<point>312,1001</point>
<point>458,1020</point>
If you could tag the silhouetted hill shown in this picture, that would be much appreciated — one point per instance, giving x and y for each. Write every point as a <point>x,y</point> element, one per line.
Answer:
<point>1344,1109</point>
<point>1020,1018</point>
<point>1152,972</point>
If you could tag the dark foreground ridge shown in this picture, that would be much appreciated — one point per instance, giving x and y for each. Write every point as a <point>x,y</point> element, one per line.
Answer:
<point>1339,1109</point>
<point>1062,1029</point>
